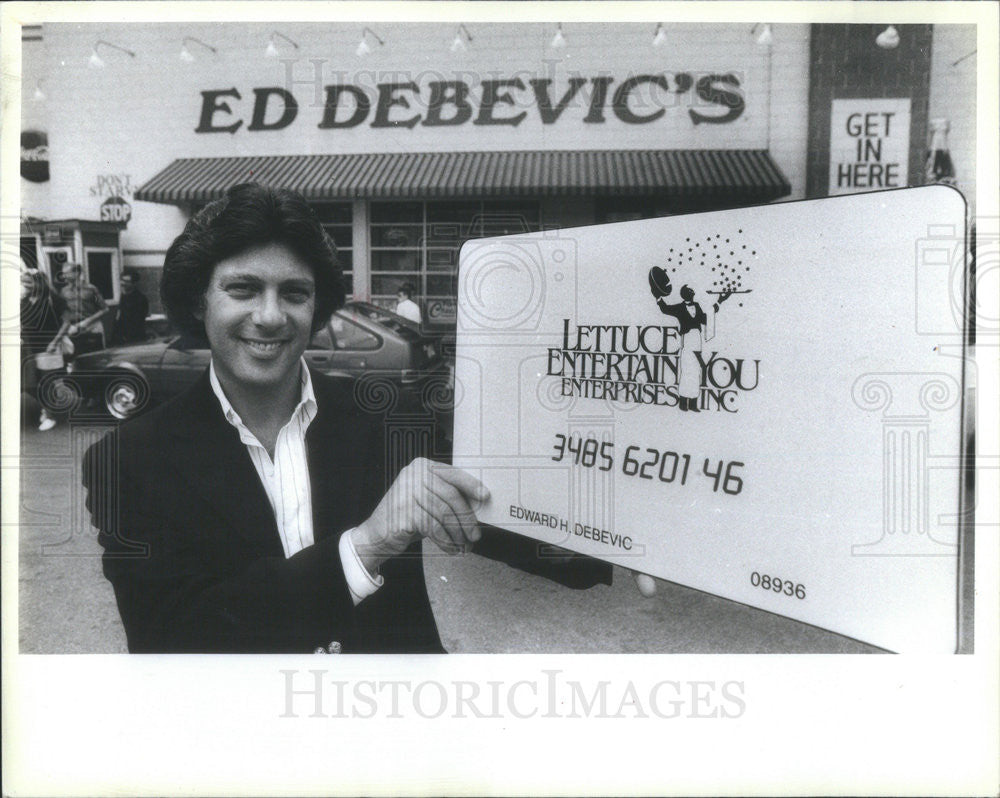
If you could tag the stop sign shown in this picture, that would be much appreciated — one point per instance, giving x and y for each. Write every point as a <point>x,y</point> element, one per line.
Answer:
<point>115,209</point>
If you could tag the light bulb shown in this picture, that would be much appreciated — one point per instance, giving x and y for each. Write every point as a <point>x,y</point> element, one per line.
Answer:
<point>888,39</point>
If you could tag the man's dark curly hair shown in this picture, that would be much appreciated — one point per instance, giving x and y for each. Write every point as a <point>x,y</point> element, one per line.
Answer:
<point>249,215</point>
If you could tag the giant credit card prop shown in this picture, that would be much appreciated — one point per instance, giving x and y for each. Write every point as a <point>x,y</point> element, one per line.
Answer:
<point>763,403</point>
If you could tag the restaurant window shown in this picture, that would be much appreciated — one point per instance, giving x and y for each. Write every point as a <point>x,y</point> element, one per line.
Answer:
<point>419,242</point>
<point>337,219</point>
<point>629,209</point>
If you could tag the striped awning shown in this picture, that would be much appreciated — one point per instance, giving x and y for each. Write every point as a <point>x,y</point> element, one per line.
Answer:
<point>736,176</point>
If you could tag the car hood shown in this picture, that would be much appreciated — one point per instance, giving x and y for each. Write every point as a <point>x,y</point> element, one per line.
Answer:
<point>150,352</point>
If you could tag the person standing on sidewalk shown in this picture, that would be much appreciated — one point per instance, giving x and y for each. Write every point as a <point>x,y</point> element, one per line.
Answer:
<point>133,307</point>
<point>41,311</point>
<point>82,314</point>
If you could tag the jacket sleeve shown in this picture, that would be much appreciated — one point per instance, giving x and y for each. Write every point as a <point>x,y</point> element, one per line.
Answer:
<point>175,597</point>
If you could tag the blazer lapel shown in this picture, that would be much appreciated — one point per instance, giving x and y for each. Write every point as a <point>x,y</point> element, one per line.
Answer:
<point>217,467</point>
<point>334,462</point>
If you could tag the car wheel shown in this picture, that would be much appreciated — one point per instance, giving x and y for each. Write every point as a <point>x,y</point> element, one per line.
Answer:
<point>126,395</point>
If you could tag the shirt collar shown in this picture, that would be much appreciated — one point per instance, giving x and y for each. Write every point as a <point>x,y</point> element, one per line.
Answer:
<point>305,410</point>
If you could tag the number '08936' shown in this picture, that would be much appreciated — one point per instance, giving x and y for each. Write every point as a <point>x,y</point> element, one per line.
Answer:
<point>785,587</point>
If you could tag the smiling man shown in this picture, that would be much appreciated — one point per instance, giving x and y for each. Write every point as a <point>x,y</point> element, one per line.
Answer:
<point>256,513</point>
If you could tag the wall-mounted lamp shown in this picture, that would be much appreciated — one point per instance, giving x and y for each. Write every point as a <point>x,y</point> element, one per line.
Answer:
<point>272,48</point>
<point>39,95</point>
<point>888,39</point>
<point>659,35</point>
<point>185,54</point>
<point>363,48</point>
<point>558,40</point>
<point>96,62</point>
<point>765,37</point>
<point>458,43</point>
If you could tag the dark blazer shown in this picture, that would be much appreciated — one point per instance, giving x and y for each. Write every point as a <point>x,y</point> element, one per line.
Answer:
<point>192,548</point>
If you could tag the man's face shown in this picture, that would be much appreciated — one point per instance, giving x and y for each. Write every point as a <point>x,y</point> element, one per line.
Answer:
<point>400,296</point>
<point>127,284</point>
<point>258,316</point>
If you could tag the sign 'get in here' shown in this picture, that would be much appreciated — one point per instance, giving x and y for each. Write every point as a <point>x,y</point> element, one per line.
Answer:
<point>869,144</point>
<point>762,403</point>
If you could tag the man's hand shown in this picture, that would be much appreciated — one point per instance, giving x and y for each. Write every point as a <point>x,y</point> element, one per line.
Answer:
<point>427,500</point>
<point>73,329</point>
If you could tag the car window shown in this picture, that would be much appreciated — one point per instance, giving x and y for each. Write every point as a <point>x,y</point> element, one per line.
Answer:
<point>348,335</point>
<point>187,343</point>
<point>402,327</point>
<point>375,313</point>
<point>322,340</point>
<point>380,316</point>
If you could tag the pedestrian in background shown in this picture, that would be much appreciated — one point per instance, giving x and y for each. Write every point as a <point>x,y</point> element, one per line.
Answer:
<point>133,307</point>
<point>84,307</point>
<point>405,306</point>
<point>41,314</point>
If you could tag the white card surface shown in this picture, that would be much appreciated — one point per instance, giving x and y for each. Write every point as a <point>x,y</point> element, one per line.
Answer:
<point>821,342</point>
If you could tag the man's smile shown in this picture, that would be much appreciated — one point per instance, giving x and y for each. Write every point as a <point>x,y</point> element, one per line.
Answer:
<point>264,345</point>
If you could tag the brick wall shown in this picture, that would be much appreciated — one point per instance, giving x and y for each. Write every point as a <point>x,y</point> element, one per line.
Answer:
<point>845,63</point>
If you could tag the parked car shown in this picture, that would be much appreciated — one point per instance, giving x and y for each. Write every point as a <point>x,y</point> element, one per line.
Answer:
<point>391,362</point>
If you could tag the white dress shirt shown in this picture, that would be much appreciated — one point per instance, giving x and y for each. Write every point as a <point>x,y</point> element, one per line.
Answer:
<point>286,482</point>
<point>408,309</point>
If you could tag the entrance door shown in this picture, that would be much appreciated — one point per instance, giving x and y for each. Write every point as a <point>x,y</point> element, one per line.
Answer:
<point>102,271</point>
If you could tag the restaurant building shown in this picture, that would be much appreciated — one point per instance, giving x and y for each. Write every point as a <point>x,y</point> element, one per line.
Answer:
<point>411,138</point>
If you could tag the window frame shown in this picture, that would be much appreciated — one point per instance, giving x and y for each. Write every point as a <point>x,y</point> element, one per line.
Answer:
<point>429,243</point>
